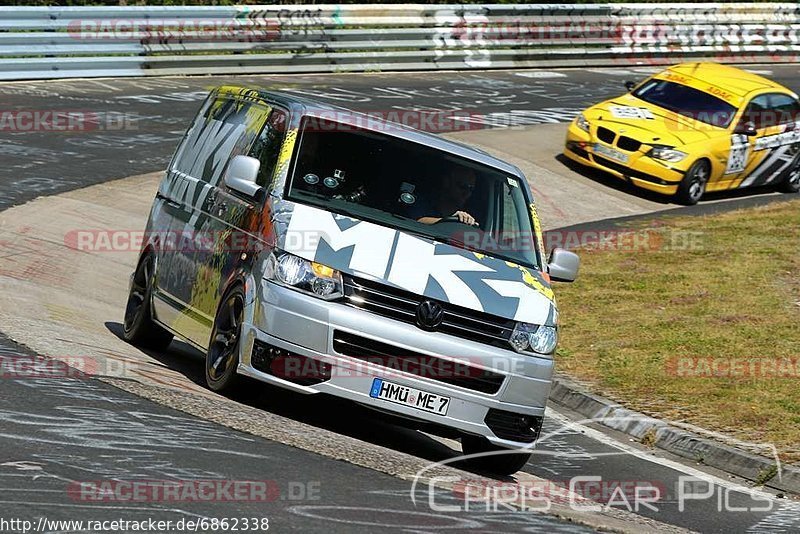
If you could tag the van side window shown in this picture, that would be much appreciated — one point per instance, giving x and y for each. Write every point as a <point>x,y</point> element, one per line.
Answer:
<point>226,128</point>
<point>268,145</point>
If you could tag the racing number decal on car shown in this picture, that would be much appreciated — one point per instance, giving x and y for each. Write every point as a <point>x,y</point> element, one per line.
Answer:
<point>737,158</point>
<point>631,112</point>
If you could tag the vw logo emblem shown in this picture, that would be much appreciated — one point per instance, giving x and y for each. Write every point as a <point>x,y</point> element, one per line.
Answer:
<point>429,315</point>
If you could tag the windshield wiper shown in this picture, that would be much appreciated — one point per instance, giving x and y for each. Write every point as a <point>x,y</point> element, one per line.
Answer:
<point>417,233</point>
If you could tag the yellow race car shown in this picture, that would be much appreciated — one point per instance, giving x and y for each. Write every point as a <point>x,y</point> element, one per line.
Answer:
<point>694,127</point>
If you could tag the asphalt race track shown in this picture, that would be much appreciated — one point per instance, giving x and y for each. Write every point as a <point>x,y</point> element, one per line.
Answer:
<point>71,431</point>
<point>57,432</point>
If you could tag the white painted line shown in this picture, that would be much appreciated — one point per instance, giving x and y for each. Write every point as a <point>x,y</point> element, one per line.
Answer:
<point>612,72</point>
<point>540,74</point>
<point>645,455</point>
<point>635,72</point>
<point>453,444</point>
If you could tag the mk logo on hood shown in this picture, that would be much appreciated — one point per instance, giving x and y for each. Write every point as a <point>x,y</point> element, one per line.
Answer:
<point>434,270</point>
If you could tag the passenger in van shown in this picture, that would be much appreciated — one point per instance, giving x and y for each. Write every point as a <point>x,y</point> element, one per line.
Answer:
<point>456,190</point>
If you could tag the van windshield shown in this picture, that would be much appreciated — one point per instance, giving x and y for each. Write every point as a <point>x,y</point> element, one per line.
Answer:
<point>376,177</point>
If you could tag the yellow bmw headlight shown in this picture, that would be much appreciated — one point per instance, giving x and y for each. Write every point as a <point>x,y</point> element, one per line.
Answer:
<point>582,123</point>
<point>666,153</point>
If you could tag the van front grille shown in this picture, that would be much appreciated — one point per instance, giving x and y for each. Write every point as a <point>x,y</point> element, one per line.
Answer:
<point>453,372</point>
<point>401,305</point>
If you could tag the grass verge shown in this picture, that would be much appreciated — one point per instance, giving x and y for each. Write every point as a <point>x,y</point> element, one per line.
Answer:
<point>699,322</point>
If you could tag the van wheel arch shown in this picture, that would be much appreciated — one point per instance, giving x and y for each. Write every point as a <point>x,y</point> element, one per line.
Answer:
<point>139,327</point>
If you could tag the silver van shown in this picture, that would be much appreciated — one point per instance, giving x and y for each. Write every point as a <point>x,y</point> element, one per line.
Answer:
<point>326,251</point>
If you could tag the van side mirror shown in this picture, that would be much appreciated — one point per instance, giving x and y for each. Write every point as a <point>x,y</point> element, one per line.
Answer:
<point>629,85</point>
<point>563,265</point>
<point>747,128</point>
<point>241,175</point>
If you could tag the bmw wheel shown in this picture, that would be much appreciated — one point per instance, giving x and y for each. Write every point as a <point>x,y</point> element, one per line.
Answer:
<point>791,184</point>
<point>139,327</point>
<point>693,185</point>
<point>222,357</point>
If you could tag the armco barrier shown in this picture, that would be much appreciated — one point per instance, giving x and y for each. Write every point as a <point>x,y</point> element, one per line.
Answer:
<point>62,42</point>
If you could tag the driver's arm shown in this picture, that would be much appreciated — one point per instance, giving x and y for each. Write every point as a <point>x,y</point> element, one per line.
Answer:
<point>460,216</point>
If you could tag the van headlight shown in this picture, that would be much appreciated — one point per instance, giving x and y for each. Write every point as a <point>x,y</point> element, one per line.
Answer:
<point>666,153</point>
<point>536,338</point>
<point>307,276</point>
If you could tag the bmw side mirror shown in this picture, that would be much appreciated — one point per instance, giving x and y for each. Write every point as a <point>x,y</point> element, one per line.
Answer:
<point>629,85</point>
<point>241,175</point>
<point>563,265</point>
<point>747,128</point>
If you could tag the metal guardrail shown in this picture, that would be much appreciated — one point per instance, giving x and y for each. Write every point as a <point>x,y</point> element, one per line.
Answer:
<point>63,42</point>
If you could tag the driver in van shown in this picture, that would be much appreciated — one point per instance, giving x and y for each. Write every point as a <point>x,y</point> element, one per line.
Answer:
<point>456,190</point>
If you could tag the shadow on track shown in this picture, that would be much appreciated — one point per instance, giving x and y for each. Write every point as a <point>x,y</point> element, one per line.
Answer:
<point>608,180</point>
<point>319,410</point>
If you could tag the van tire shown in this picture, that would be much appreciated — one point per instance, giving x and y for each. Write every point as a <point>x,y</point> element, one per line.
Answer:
<point>498,464</point>
<point>222,357</point>
<point>138,326</point>
<point>693,185</point>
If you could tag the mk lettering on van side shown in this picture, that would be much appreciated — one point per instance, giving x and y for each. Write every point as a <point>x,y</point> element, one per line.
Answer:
<point>196,163</point>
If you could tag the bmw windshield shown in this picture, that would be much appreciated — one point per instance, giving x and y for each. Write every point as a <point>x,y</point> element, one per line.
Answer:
<point>380,178</point>
<point>687,101</point>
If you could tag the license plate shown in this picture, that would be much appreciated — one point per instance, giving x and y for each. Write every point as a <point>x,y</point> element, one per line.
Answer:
<point>611,153</point>
<point>421,400</point>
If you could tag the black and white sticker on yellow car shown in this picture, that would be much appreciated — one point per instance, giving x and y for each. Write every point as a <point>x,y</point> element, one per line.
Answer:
<point>772,156</point>
<point>737,157</point>
<point>630,112</point>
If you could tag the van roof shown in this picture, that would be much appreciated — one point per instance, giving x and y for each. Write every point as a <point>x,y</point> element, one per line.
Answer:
<point>307,106</point>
